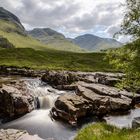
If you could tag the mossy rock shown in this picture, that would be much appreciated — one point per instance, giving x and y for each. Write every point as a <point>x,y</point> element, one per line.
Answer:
<point>4,43</point>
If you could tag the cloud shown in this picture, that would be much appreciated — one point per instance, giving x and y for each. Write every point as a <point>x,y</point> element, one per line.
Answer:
<point>72,17</point>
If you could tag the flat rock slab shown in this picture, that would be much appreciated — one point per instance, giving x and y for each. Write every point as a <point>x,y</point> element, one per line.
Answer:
<point>136,122</point>
<point>87,101</point>
<point>30,137</point>
<point>13,134</point>
<point>68,77</point>
<point>109,91</point>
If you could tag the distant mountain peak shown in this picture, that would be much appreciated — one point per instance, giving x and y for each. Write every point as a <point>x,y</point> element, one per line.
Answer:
<point>40,32</point>
<point>92,42</point>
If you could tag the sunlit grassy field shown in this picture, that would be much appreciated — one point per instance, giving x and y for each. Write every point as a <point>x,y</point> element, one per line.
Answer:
<point>53,59</point>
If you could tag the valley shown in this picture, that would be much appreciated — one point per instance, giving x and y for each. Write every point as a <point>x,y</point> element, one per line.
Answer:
<point>59,85</point>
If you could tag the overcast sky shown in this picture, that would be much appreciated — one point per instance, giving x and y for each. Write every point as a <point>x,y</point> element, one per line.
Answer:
<point>71,17</point>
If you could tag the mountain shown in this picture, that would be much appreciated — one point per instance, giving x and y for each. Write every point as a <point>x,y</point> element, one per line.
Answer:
<point>7,16</point>
<point>95,43</point>
<point>12,29</point>
<point>15,33</point>
<point>55,39</point>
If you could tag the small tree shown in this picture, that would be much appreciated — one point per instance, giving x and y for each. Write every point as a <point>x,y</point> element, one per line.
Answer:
<point>127,59</point>
<point>131,21</point>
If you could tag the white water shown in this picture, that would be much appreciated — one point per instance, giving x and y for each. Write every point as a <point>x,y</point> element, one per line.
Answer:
<point>39,121</point>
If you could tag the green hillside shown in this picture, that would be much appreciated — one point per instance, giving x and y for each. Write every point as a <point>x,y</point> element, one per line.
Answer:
<point>14,34</point>
<point>54,60</point>
<point>54,39</point>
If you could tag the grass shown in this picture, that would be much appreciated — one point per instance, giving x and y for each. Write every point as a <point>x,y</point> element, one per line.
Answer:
<point>102,131</point>
<point>10,31</point>
<point>29,52</point>
<point>54,60</point>
<point>13,33</point>
<point>60,43</point>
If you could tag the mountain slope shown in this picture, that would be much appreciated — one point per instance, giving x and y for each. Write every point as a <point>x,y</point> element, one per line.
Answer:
<point>4,43</point>
<point>95,43</point>
<point>55,39</point>
<point>12,29</point>
<point>9,17</point>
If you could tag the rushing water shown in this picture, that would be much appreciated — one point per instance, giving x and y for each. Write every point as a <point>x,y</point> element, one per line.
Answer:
<point>39,121</point>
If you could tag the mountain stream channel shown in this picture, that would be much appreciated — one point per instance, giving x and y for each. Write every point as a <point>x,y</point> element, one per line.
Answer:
<point>40,122</point>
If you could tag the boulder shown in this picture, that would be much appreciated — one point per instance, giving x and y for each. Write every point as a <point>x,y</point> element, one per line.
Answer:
<point>136,122</point>
<point>59,78</point>
<point>110,91</point>
<point>110,101</point>
<point>86,101</point>
<point>15,100</point>
<point>110,79</point>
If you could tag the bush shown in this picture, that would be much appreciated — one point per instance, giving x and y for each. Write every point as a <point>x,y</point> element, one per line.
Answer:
<point>126,60</point>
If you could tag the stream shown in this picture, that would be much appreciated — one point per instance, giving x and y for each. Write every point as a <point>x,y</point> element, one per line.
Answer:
<point>40,122</point>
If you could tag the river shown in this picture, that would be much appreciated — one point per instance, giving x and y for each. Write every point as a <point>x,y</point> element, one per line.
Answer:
<point>40,122</point>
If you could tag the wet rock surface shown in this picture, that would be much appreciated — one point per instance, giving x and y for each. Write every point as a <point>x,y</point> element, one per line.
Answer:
<point>136,122</point>
<point>26,72</point>
<point>95,95</point>
<point>73,107</point>
<point>15,99</point>
<point>60,78</point>
<point>13,134</point>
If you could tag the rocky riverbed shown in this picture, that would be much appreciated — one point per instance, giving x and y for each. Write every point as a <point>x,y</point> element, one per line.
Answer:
<point>68,96</point>
<point>95,94</point>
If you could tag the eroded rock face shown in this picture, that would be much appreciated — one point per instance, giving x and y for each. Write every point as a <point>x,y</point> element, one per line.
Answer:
<point>15,100</point>
<point>26,72</point>
<point>94,95</point>
<point>63,78</point>
<point>59,78</point>
<point>87,101</point>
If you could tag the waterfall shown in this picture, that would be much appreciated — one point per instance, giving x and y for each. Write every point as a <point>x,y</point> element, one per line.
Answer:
<point>46,102</point>
<point>44,94</point>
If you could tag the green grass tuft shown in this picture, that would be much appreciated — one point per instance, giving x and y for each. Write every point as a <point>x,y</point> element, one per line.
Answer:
<point>102,131</point>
